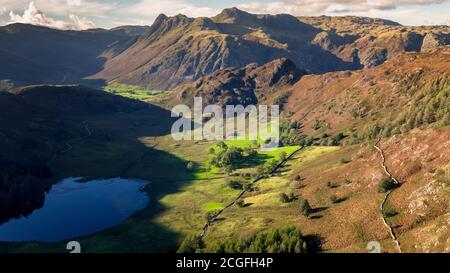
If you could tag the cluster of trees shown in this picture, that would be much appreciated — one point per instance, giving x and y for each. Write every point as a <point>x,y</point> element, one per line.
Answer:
<point>327,140</point>
<point>231,158</point>
<point>191,244</point>
<point>430,105</point>
<point>290,134</point>
<point>228,158</point>
<point>285,240</point>
<point>21,187</point>
<point>265,169</point>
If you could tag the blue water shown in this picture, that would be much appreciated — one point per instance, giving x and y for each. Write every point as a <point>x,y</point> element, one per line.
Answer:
<point>74,209</point>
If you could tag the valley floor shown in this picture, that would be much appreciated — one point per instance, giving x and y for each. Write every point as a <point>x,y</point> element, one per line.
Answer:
<point>340,183</point>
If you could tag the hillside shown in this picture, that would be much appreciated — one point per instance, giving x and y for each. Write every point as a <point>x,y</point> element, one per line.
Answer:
<point>409,92</point>
<point>38,55</point>
<point>374,40</point>
<point>180,49</point>
<point>42,123</point>
<point>248,85</point>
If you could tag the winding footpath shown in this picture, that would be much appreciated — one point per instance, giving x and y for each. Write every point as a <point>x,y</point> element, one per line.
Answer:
<point>69,146</point>
<point>217,214</point>
<point>386,196</point>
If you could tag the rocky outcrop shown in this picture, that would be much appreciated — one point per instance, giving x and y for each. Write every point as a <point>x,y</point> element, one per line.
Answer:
<point>432,40</point>
<point>247,85</point>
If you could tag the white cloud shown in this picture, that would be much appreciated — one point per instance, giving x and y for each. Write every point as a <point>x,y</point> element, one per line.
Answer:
<point>75,3</point>
<point>2,11</point>
<point>36,17</point>
<point>151,8</point>
<point>310,7</point>
<point>64,7</point>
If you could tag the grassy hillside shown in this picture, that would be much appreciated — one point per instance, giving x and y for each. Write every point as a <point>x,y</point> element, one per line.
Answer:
<point>409,92</point>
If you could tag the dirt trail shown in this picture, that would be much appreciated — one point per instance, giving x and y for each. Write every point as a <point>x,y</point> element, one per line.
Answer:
<point>217,214</point>
<point>69,146</point>
<point>386,196</point>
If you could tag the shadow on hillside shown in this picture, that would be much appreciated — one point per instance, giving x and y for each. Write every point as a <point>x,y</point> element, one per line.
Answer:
<point>123,154</point>
<point>63,57</point>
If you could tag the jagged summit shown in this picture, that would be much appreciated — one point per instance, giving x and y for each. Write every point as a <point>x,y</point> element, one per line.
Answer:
<point>247,85</point>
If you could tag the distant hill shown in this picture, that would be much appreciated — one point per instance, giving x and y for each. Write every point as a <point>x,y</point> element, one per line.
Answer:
<point>373,41</point>
<point>180,49</point>
<point>247,85</point>
<point>175,50</point>
<point>37,54</point>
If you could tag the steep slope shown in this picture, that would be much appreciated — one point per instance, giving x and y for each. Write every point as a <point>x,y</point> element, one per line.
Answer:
<point>36,54</point>
<point>179,49</point>
<point>34,118</point>
<point>248,85</point>
<point>373,40</point>
<point>41,123</point>
<point>411,91</point>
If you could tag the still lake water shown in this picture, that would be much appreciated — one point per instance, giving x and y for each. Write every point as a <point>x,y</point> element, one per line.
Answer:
<point>73,209</point>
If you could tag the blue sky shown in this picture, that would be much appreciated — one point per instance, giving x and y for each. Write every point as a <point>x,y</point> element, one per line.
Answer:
<point>82,14</point>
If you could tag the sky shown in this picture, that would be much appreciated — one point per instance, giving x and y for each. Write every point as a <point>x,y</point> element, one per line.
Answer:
<point>85,14</point>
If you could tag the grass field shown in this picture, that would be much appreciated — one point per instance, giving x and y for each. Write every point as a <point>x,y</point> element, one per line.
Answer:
<point>132,91</point>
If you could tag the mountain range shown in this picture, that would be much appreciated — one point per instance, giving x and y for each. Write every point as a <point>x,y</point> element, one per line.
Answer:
<point>179,49</point>
<point>363,101</point>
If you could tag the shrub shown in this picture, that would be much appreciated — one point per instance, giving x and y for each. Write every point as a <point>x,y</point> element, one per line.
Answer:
<point>390,212</point>
<point>387,184</point>
<point>317,125</point>
<point>283,156</point>
<point>240,203</point>
<point>248,187</point>
<point>345,161</point>
<point>235,184</point>
<point>191,244</point>
<point>287,198</point>
<point>304,207</point>
<point>332,185</point>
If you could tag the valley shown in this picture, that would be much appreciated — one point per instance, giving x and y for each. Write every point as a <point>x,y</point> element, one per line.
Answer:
<point>364,139</point>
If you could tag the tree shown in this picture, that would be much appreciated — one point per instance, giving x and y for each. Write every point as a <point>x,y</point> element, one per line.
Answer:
<point>229,157</point>
<point>387,184</point>
<point>240,203</point>
<point>297,177</point>
<point>287,198</point>
<point>304,207</point>
<point>235,184</point>
<point>283,156</point>
<point>284,198</point>
<point>191,244</point>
